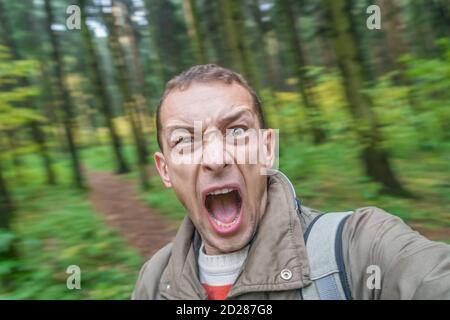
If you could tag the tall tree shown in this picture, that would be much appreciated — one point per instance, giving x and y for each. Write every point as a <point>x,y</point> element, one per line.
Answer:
<point>136,70</point>
<point>37,132</point>
<point>265,38</point>
<point>194,31</point>
<point>373,156</point>
<point>63,98</point>
<point>440,16</point>
<point>240,56</point>
<point>14,145</point>
<point>6,205</point>
<point>421,33</point>
<point>362,39</point>
<point>14,117</point>
<point>392,32</point>
<point>101,92</point>
<point>214,37</point>
<point>123,81</point>
<point>168,31</point>
<point>326,49</point>
<point>305,84</point>
<point>155,54</point>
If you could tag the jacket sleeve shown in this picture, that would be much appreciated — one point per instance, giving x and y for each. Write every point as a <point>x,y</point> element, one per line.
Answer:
<point>139,292</point>
<point>147,284</point>
<point>409,265</point>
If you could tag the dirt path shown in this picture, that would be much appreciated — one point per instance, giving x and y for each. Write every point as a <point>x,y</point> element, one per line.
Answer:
<point>116,198</point>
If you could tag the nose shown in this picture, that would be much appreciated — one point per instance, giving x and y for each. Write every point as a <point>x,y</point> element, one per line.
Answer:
<point>213,156</point>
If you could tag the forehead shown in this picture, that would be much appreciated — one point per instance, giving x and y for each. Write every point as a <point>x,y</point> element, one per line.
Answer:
<point>205,102</point>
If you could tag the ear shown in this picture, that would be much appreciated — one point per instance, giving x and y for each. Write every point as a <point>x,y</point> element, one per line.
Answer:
<point>268,145</point>
<point>163,170</point>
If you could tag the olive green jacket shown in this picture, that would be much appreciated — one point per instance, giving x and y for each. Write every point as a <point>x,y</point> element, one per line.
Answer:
<point>411,266</point>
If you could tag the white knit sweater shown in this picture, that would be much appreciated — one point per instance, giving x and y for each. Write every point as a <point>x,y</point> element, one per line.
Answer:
<point>219,270</point>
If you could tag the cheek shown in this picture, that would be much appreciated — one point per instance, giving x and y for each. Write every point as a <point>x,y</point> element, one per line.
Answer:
<point>180,171</point>
<point>244,153</point>
<point>255,184</point>
<point>184,183</point>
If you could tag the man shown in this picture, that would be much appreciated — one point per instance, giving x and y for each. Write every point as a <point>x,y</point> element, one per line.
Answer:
<point>244,233</point>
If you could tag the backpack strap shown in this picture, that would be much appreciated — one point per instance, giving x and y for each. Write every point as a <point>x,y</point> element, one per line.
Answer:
<point>323,239</point>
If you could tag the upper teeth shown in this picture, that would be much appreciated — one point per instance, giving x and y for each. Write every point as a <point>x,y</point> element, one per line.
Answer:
<point>220,191</point>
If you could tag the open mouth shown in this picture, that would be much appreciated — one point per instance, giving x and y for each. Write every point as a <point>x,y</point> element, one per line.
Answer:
<point>224,209</point>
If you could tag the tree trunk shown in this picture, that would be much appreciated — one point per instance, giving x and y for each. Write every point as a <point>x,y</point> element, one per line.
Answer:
<point>139,86</point>
<point>37,133</point>
<point>270,66</point>
<point>422,33</point>
<point>17,162</point>
<point>157,60</point>
<point>39,138</point>
<point>392,34</point>
<point>326,48</point>
<point>374,158</point>
<point>237,46</point>
<point>304,82</point>
<point>101,93</point>
<point>63,98</point>
<point>194,32</point>
<point>164,24</point>
<point>127,95</point>
<point>440,16</point>
<point>6,206</point>
<point>213,20</point>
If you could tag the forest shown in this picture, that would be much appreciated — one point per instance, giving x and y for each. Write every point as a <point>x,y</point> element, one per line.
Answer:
<point>363,115</point>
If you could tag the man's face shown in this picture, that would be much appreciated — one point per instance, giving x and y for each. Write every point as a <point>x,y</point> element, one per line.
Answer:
<point>223,191</point>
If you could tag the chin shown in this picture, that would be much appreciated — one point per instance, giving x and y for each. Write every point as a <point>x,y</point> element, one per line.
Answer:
<point>233,243</point>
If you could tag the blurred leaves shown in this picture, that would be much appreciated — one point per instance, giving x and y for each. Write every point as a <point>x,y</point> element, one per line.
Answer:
<point>54,228</point>
<point>13,93</point>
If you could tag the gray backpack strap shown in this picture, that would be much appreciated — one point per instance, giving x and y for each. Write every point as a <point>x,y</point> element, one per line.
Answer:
<point>323,239</point>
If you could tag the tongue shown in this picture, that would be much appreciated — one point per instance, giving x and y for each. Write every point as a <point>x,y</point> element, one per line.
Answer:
<point>224,207</point>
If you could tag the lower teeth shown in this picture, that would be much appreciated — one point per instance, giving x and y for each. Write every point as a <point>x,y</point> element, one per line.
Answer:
<point>225,225</point>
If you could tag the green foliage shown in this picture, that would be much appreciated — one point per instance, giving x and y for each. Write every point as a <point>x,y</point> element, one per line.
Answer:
<point>9,262</point>
<point>6,240</point>
<point>430,95</point>
<point>101,158</point>
<point>12,92</point>
<point>55,227</point>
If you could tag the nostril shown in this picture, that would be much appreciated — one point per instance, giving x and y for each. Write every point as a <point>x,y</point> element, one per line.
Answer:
<point>214,166</point>
<point>213,160</point>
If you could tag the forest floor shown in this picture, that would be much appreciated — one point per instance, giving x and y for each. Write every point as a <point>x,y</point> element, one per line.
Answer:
<point>117,199</point>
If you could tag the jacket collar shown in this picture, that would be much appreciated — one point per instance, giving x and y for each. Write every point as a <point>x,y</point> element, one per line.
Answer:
<point>277,246</point>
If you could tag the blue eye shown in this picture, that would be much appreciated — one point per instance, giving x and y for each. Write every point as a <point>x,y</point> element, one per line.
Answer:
<point>237,131</point>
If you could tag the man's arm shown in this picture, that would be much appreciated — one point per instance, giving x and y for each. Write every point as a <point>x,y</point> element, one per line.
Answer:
<point>411,266</point>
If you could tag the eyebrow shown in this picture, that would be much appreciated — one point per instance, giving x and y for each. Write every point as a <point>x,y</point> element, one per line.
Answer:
<point>234,115</point>
<point>173,127</point>
<point>228,118</point>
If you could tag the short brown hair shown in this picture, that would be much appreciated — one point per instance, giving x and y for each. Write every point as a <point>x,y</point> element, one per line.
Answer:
<point>205,73</point>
